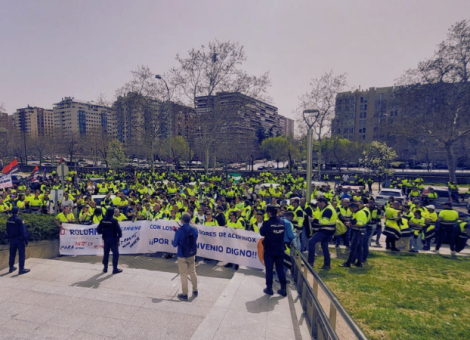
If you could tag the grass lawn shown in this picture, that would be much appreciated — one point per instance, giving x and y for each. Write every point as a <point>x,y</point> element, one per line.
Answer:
<point>406,296</point>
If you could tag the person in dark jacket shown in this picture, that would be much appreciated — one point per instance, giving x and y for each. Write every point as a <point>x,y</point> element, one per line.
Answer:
<point>220,217</point>
<point>111,231</point>
<point>186,265</point>
<point>273,231</point>
<point>18,236</point>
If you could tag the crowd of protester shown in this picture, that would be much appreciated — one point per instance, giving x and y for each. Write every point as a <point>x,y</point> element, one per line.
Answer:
<point>217,199</point>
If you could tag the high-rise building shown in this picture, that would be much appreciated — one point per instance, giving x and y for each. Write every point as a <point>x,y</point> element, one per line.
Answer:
<point>245,113</point>
<point>140,118</point>
<point>6,120</point>
<point>74,116</point>
<point>365,116</point>
<point>34,121</point>
<point>287,126</point>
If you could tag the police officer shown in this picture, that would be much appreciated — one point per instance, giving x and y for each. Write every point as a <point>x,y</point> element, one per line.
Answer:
<point>111,231</point>
<point>18,236</point>
<point>273,231</point>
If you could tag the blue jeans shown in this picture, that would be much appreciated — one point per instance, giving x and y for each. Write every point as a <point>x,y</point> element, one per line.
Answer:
<point>414,241</point>
<point>366,242</point>
<point>356,245</point>
<point>345,237</point>
<point>296,240</point>
<point>303,240</point>
<point>323,237</point>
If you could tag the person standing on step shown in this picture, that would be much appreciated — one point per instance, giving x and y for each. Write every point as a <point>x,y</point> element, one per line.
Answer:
<point>186,242</point>
<point>273,230</point>
<point>18,236</point>
<point>111,232</point>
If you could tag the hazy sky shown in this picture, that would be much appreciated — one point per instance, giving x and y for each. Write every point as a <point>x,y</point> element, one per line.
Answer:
<point>52,49</point>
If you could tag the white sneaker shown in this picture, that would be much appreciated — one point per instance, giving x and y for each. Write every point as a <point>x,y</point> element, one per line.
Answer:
<point>452,253</point>
<point>435,251</point>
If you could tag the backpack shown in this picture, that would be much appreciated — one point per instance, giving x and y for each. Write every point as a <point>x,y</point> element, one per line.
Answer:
<point>189,246</point>
<point>340,228</point>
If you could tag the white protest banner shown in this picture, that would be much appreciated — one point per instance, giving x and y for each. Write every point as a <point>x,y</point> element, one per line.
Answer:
<point>6,182</point>
<point>77,239</point>
<point>217,243</point>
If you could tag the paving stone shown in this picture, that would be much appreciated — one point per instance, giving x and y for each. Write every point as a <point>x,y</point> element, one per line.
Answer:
<point>37,314</point>
<point>11,309</point>
<point>104,326</point>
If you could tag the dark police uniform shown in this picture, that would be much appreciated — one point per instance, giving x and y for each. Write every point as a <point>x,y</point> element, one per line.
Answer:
<point>18,237</point>
<point>273,231</point>
<point>111,231</point>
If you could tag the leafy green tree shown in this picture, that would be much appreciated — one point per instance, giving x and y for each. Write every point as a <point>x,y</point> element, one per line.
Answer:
<point>279,149</point>
<point>116,158</point>
<point>377,158</point>
<point>179,149</point>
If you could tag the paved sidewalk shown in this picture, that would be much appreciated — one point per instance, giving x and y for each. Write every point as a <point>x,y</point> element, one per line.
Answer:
<point>64,299</point>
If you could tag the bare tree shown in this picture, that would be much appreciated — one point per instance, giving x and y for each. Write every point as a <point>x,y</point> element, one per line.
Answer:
<point>322,97</point>
<point>103,100</point>
<point>39,145</point>
<point>435,96</point>
<point>71,144</point>
<point>207,71</point>
<point>141,107</point>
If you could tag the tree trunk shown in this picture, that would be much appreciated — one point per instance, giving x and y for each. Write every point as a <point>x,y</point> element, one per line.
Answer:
<point>319,159</point>
<point>206,159</point>
<point>450,161</point>
<point>290,163</point>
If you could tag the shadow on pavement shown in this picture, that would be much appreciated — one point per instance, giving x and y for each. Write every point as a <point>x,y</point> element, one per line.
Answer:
<point>93,282</point>
<point>262,304</point>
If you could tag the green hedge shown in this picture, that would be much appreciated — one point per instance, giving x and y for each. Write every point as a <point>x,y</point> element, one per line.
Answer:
<point>40,227</point>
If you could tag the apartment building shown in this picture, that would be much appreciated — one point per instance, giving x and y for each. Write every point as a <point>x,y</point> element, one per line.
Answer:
<point>365,116</point>
<point>287,126</point>
<point>140,118</point>
<point>34,121</point>
<point>75,116</point>
<point>244,114</point>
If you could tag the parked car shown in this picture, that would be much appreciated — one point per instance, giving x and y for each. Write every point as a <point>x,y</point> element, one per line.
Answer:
<point>382,197</point>
<point>443,196</point>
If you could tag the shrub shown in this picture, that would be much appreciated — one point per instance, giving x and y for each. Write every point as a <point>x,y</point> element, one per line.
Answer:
<point>40,227</point>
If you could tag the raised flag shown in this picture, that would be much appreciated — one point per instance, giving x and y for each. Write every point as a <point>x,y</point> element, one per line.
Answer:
<point>11,168</point>
<point>36,168</point>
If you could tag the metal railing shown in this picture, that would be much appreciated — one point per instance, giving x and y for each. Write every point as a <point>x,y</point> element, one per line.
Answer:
<point>321,327</point>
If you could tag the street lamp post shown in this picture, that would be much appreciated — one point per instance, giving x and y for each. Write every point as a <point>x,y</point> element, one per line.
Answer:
<point>309,117</point>
<point>169,117</point>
